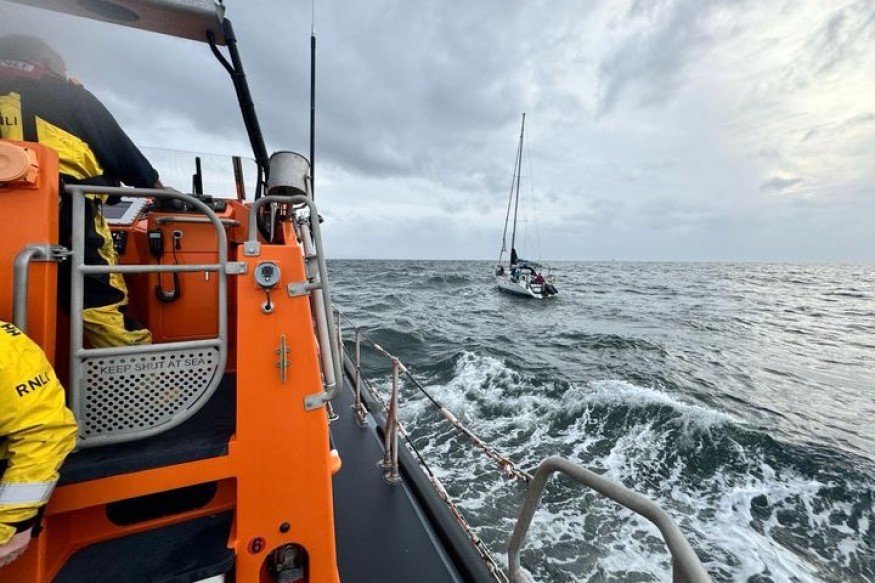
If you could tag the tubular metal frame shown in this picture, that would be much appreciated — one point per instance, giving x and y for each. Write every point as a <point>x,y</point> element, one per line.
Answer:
<point>78,353</point>
<point>320,291</point>
<point>21,277</point>
<point>686,566</point>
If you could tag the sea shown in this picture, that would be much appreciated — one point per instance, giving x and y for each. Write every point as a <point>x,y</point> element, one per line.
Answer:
<point>738,396</point>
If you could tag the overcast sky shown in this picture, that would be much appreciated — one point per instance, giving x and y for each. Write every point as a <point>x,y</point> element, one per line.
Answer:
<point>656,130</point>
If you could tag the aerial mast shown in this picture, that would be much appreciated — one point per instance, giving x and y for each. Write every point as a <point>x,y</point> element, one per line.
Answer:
<point>313,101</point>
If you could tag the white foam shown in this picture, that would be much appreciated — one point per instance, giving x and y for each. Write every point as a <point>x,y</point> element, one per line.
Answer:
<point>486,380</point>
<point>726,502</point>
<point>715,513</point>
<point>624,393</point>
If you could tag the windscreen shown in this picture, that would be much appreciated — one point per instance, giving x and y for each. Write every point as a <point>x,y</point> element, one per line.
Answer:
<point>177,169</point>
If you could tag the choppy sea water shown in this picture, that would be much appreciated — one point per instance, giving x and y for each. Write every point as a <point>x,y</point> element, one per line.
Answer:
<point>740,397</point>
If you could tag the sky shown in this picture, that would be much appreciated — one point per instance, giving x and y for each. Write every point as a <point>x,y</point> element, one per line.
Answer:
<point>656,130</point>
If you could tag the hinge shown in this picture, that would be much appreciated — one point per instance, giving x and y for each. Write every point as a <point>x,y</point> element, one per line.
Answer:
<point>301,288</point>
<point>236,268</point>
<point>49,252</point>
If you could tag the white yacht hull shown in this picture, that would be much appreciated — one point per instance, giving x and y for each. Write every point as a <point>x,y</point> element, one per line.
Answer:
<point>521,288</point>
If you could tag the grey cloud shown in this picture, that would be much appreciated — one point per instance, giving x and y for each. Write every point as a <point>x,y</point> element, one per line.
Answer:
<point>780,183</point>
<point>431,91</point>
<point>858,120</point>
<point>769,153</point>
<point>839,128</point>
<point>599,212</point>
<point>840,43</point>
<point>419,104</point>
<point>845,36</point>
<point>672,214</point>
<point>645,172</point>
<point>653,59</point>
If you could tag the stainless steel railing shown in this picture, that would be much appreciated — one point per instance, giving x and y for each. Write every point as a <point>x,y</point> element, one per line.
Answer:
<point>21,277</point>
<point>686,566</point>
<point>127,393</point>
<point>318,289</point>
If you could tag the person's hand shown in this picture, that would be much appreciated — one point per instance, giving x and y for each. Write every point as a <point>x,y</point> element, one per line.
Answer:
<point>15,547</point>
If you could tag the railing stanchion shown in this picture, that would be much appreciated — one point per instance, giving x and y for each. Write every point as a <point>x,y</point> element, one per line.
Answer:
<point>338,333</point>
<point>359,407</point>
<point>390,432</point>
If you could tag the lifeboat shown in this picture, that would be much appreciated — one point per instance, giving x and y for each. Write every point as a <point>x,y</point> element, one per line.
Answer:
<point>237,446</point>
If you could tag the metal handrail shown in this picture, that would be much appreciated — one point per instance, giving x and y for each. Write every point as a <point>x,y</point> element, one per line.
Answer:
<point>332,367</point>
<point>358,406</point>
<point>77,298</point>
<point>507,467</point>
<point>686,566</point>
<point>21,278</point>
<point>392,427</point>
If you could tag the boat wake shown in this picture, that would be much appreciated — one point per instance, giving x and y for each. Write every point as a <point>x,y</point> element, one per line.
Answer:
<point>753,507</point>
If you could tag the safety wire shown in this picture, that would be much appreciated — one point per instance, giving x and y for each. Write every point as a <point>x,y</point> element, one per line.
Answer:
<point>507,467</point>
<point>533,205</point>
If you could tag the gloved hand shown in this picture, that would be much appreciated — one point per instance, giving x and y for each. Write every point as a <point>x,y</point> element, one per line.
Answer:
<point>15,547</point>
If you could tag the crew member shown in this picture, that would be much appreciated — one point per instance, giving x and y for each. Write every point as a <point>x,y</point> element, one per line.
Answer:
<point>38,103</point>
<point>36,433</point>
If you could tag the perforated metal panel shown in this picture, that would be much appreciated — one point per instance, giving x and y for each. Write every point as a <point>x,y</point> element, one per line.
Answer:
<point>125,395</point>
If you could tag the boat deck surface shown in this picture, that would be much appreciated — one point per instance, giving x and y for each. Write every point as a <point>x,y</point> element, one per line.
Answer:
<point>381,532</point>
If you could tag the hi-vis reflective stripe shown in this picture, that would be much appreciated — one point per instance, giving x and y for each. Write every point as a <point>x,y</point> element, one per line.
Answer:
<point>25,493</point>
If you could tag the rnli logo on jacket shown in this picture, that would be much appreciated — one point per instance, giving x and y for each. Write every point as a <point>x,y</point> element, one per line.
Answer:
<point>17,65</point>
<point>10,329</point>
<point>34,384</point>
<point>8,120</point>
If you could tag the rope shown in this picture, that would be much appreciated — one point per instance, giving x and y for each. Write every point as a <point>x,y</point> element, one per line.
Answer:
<point>507,466</point>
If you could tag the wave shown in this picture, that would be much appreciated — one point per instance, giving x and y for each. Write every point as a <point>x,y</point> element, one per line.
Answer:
<point>605,341</point>
<point>640,384</point>
<point>447,279</point>
<point>753,507</point>
<point>847,294</point>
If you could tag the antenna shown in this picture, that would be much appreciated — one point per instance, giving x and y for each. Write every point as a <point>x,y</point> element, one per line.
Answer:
<point>313,101</point>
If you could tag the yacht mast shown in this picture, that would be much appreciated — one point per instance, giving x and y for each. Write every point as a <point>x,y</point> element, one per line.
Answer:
<point>517,172</point>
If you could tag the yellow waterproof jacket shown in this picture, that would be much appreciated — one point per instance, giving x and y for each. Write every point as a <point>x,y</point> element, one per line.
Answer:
<point>37,431</point>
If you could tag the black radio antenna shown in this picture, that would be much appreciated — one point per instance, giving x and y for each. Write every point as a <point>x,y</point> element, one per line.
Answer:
<point>313,101</point>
